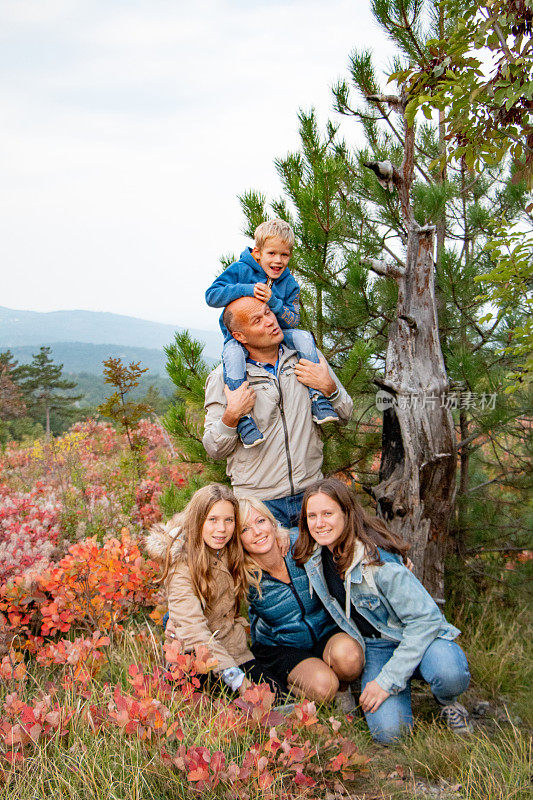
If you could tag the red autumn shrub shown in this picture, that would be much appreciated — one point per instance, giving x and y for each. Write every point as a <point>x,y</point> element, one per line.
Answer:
<point>97,586</point>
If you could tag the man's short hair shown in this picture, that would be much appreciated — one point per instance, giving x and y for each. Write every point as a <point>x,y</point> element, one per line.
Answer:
<point>273,227</point>
<point>228,319</point>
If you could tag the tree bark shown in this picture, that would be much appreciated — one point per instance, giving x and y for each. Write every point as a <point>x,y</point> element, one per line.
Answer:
<point>416,492</point>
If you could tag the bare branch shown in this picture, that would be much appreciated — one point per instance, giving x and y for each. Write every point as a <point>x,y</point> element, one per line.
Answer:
<point>383,268</point>
<point>392,99</point>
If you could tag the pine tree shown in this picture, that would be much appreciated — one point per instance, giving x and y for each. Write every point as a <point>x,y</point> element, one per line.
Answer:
<point>357,242</point>
<point>184,419</point>
<point>12,405</point>
<point>477,74</point>
<point>459,205</point>
<point>155,400</point>
<point>43,388</point>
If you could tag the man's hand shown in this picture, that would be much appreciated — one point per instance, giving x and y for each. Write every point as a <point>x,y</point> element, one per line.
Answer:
<point>240,402</point>
<point>316,376</point>
<point>372,696</point>
<point>262,292</point>
<point>284,541</point>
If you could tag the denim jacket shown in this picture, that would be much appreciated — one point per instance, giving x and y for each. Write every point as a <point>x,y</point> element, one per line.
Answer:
<point>394,602</point>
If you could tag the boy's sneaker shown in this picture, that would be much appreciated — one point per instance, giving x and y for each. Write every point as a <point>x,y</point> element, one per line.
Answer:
<point>249,433</point>
<point>456,718</point>
<point>322,411</point>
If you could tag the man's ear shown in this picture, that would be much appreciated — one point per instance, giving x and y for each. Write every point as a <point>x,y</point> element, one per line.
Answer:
<point>239,336</point>
<point>256,252</point>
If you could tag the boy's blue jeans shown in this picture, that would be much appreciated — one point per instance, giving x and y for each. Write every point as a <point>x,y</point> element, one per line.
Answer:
<point>234,356</point>
<point>286,510</point>
<point>443,666</point>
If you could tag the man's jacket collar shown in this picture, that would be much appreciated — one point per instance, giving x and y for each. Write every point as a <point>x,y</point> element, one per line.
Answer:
<point>285,354</point>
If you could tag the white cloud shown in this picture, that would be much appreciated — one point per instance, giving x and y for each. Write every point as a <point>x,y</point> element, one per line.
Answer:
<point>129,129</point>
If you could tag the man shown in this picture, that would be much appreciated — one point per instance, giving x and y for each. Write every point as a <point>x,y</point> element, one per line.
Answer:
<point>290,459</point>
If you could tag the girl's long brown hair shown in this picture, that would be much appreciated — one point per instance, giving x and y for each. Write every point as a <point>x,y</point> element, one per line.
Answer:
<point>195,551</point>
<point>359,524</point>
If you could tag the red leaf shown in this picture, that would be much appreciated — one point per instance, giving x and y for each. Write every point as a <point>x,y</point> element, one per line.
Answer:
<point>303,780</point>
<point>198,774</point>
<point>265,780</point>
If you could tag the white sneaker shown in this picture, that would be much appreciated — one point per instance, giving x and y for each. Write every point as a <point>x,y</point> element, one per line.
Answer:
<point>285,708</point>
<point>456,718</point>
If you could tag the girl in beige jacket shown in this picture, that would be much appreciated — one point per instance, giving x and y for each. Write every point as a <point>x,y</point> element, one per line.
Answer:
<point>203,571</point>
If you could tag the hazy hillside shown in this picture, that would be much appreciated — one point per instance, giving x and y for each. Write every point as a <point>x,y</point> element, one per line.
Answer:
<point>80,357</point>
<point>95,390</point>
<point>34,328</point>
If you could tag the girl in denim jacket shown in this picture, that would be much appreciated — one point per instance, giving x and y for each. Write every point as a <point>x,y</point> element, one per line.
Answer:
<point>355,565</point>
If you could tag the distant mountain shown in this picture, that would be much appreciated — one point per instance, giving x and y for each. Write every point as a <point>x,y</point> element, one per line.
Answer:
<point>81,357</point>
<point>35,328</point>
<point>95,390</point>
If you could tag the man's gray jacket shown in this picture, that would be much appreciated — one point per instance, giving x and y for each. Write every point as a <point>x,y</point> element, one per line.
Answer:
<point>290,458</point>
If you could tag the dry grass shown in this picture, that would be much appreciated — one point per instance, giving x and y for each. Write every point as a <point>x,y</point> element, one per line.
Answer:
<point>493,764</point>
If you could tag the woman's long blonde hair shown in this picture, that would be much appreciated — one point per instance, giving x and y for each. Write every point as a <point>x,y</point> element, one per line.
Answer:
<point>195,551</point>
<point>252,570</point>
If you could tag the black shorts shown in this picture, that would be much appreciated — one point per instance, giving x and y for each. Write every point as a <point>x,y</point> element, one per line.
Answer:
<point>254,671</point>
<point>280,660</point>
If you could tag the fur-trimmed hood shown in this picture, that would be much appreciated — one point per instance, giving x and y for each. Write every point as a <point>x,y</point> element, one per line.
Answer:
<point>163,534</point>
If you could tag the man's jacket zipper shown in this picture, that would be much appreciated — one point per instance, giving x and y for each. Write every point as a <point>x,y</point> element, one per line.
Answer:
<point>285,433</point>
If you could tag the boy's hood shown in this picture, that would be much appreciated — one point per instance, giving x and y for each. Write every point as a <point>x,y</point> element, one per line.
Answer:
<point>247,257</point>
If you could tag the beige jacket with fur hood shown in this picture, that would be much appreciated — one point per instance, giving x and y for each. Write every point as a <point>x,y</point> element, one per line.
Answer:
<point>215,625</point>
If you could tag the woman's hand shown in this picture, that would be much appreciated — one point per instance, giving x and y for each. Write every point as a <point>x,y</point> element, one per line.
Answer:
<point>409,564</point>
<point>262,292</point>
<point>372,697</point>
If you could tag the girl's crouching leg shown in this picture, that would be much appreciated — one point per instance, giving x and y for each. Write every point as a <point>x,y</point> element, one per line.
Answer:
<point>445,668</point>
<point>314,679</point>
<point>345,657</point>
<point>392,720</point>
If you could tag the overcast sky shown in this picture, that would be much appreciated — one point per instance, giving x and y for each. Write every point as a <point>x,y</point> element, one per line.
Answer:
<point>129,127</point>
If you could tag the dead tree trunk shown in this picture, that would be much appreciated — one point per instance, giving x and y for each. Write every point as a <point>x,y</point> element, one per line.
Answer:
<point>416,492</point>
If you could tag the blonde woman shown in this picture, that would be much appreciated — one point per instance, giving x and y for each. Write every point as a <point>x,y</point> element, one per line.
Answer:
<point>293,637</point>
<point>203,571</point>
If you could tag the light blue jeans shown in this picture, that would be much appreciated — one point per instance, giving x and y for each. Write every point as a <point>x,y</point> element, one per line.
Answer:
<point>443,666</point>
<point>234,356</point>
<point>286,510</point>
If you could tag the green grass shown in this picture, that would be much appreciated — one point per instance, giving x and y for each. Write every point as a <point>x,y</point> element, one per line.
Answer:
<point>492,764</point>
<point>499,647</point>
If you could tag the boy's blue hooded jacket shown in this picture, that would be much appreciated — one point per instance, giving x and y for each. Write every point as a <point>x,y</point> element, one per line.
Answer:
<point>239,279</point>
